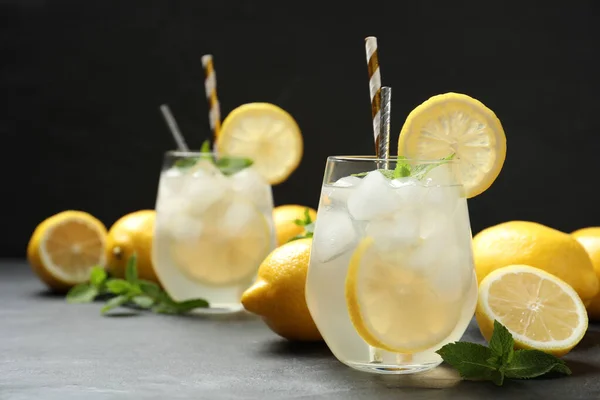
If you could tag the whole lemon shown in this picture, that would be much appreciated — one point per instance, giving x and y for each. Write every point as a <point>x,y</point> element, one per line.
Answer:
<point>284,217</point>
<point>132,233</point>
<point>590,240</point>
<point>537,245</point>
<point>278,293</point>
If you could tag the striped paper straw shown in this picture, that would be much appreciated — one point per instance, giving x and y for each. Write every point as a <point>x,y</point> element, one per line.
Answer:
<point>374,84</point>
<point>210,87</point>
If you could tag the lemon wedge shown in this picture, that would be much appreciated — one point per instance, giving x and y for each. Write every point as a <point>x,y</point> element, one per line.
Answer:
<point>234,239</point>
<point>541,311</point>
<point>456,123</point>
<point>64,248</point>
<point>394,307</point>
<point>266,134</point>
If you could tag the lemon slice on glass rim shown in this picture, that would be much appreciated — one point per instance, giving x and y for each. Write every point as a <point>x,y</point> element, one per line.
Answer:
<point>266,134</point>
<point>455,123</point>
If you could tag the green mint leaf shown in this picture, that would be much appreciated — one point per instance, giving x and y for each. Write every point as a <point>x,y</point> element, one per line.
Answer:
<point>421,170</point>
<point>82,293</point>
<point>389,174</point>
<point>114,303</point>
<point>118,286</point>
<point>470,360</point>
<point>131,274</point>
<point>205,148</point>
<point>164,308</point>
<point>497,377</point>
<point>307,219</point>
<point>502,343</point>
<point>150,288</point>
<point>360,174</point>
<point>402,169</point>
<point>188,305</point>
<point>231,165</point>
<point>188,162</point>
<point>299,222</point>
<point>98,276</point>
<point>143,301</point>
<point>528,364</point>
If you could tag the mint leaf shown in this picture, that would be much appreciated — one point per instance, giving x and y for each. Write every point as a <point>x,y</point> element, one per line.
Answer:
<point>470,360</point>
<point>143,301</point>
<point>502,343</point>
<point>231,165</point>
<point>528,364</point>
<point>82,293</point>
<point>205,148</point>
<point>421,170</point>
<point>131,274</point>
<point>402,169</point>
<point>307,223</point>
<point>150,288</point>
<point>114,303</point>
<point>188,162</point>
<point>98,276</point>
<point>188,305</point>
<point>118,286</point>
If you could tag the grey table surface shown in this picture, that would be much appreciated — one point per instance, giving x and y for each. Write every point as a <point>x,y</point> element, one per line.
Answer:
<point>53,350</point>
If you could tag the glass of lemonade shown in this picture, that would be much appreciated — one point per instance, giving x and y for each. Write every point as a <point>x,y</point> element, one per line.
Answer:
<point>214,227</point>
<point>391,277</point>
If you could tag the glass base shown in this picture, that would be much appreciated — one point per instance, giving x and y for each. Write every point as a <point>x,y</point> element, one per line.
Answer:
<point>220,309</point>
<point>394,369</point>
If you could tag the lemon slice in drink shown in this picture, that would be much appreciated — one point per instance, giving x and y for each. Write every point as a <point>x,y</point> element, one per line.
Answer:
<point>266,134</point>
<point>456,123</point>
<point>64,248</point>
<point>541,311</point>
<point>394,307</point>
<point>234,239</point>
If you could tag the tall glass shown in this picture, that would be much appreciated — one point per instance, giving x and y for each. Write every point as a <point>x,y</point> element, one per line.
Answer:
<point>391,276</point>
<point>214,226</point>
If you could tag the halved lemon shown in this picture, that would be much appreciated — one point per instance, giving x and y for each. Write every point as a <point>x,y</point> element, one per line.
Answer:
<point>234,239</point>
<point>395,307</point>
<point>456,123</point>
<point>266,134</point>
<point>64,248</point>
<point>541,311</point>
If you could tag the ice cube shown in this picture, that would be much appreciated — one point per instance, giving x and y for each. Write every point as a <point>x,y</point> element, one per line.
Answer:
<point>397,233</point>
<point>409,190</point>
<point>335,235</point>
<point>373,198</point>
<point>183,227</point>
<point>440,175</point>
<point>238,216</point>
<point>444,199</point>
<point>205,187</point>
<point>426,255</point>
<point>171,183</point>
<point>339,191</point>
<point>249,184</point>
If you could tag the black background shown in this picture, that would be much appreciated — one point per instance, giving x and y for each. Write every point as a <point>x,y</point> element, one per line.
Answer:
<point>81,82</point>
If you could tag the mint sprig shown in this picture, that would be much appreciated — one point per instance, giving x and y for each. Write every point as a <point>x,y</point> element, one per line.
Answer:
<point>404,169</point>
<point>226,164</point>
<point>130,292</point>
<point>307,223</point>
<point>499,361</point>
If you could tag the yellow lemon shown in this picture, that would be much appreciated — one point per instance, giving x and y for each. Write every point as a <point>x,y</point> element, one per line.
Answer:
<point>530,243</point>
<point>278,293</point>
<point>266,134</point>
<point>590,240</point>
<point>541,311</point>
<point>377,292</point>
<point>65,247</point>
<point>284,217</point>
<point>130,234</point>
<point>455,123</point>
